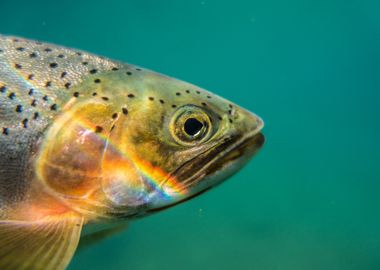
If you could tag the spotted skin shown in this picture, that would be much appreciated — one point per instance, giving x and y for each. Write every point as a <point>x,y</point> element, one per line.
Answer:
<point>85,136</point>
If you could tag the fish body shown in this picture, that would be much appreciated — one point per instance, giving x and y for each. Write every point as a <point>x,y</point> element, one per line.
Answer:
<point>84,139</point>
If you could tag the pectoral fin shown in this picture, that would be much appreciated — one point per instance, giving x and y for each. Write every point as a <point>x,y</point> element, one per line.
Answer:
<point>47,244</point>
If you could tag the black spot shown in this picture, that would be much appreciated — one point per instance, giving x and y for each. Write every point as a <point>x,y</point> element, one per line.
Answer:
<point>115,69</point>
<point>63,74</point>
<point>6,131</point>
<point>151,98</point>
<point>53,65</point>
<point>36,116</point>
<point>231,121</point>
<point>45,98</point>
<point>61,56</point>
<point>3,89</point>
<point>204,104</point>
<point>21,49</point>
<point>229,112</point>
<point>15,40</point>
<point>53,107</point>
<point>178,94</point>
<point>33,103</point>
<point>48,84</point>
<point>198,92</point>
<point>85,63</point>
<point>129,73</point>
<point>30,77</point>
<point>125,111</point>
<point>93,71</point>
<point>25,123</point>
<point>208,96</point>
<point>94,94</point>
<point>33,55</point>
<point>1,51</point>
<point>12,95</point>
<point>162,101</point>
<point>131,95</point>
<point>114,116</point>
<point>138,69</point>
<point>78,53</point>
<point>98,129</point>
<point>188,91</point>
<point>47,50</point>
<point>76,94</point>
<point>230,105</point>
<point>220,118</point>
<point>97,81</point>
<point>67,85</point>
<point>174,106</point>
<point>18,66</point>
<point>19,108</point>
<point>31,91</point>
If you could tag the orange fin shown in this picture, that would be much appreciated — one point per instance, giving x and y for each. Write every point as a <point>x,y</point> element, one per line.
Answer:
<point>47,244</point>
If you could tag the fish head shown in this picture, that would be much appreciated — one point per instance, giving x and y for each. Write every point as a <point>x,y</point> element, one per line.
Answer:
<point>137,144</point>
<point>180,141</point>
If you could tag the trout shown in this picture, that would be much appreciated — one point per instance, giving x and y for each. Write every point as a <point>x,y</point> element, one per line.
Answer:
<point>86,140</point>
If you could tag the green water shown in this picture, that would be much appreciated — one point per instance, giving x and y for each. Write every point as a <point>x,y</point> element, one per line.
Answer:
<point>311,69</point>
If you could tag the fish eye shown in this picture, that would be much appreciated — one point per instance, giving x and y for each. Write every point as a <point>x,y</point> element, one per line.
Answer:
<point>190,125</point>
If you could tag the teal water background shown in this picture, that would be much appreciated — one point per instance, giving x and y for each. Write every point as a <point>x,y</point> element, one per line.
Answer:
<point>310,69</point>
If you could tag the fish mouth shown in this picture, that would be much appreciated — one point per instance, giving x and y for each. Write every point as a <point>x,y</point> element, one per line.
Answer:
<point>219,161</point>
<point>222,160</point>
<point>215,165</point>
<point>236,155</point>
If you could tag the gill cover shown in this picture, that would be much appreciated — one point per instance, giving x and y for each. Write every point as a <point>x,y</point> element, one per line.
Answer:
<point>83,159</point>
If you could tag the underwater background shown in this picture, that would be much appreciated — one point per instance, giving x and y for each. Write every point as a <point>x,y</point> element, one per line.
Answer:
<point>311,69</point>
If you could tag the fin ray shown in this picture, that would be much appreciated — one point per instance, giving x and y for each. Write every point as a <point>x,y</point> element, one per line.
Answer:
<point>47,244</point>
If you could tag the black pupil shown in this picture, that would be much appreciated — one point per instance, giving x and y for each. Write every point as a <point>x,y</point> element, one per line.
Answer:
<point>193,126</point>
